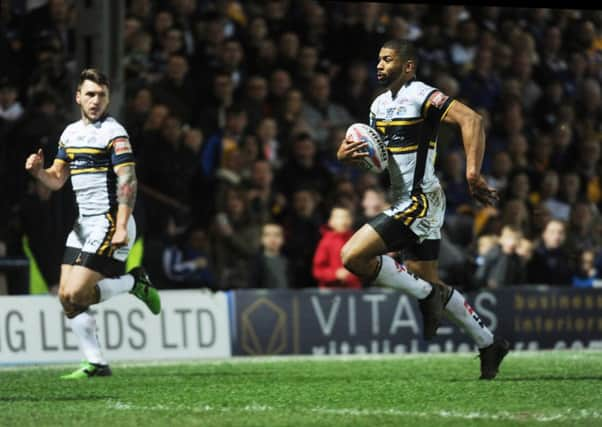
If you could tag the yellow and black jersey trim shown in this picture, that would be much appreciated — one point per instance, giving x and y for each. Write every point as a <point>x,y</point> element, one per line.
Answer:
<point>427,103</point>
<point>105,246</point>
<point>385,127</point>
<point>398,122</point>
<point>117,166</point>
<point>89,170</point>
<point>409,149</point>
<point>84,150</point>
<point>88,153</point>
<point>447,109</point>
<point>417,209</point>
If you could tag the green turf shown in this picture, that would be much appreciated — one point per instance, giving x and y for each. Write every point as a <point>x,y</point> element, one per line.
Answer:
<point>544,389</point>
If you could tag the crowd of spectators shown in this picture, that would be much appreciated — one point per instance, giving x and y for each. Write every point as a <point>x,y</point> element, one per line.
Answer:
<point>235,110</point>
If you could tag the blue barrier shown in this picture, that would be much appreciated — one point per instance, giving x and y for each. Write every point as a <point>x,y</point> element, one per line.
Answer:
<point>380,321</point>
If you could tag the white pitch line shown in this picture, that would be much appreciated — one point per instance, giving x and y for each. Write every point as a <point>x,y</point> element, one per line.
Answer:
<point>567,415</point>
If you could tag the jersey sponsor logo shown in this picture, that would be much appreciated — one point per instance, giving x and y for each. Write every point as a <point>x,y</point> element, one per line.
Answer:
<point>390,113</point>
<point>438,98</point>
<point>122,146</point>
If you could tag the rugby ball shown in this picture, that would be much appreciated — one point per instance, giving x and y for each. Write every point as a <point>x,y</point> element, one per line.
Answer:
<point>377,158</point>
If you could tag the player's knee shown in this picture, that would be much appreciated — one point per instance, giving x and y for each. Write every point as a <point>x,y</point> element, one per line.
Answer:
<point>64,297</point>
<point>69,309</point>
<point>73,297</point>
<point>80,298</point>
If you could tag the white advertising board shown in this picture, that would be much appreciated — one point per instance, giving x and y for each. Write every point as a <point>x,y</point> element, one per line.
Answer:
<point>192,324</point>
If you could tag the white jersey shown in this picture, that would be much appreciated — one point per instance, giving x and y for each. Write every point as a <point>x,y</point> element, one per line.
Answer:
<point>92,151</point>
<point>409,125</point>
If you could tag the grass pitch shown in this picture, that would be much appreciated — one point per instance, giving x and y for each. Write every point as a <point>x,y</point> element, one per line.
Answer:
<point>541,389</point>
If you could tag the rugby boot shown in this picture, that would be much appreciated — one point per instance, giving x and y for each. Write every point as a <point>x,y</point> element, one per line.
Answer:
<point>88,370</point>
<point>492,356</point>
<point>144,291</point>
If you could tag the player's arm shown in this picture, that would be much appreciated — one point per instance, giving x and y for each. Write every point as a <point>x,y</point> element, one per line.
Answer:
<point>473,138</point>
<point>127,188</point>
<point>53,177</point>
<point>124,166</point>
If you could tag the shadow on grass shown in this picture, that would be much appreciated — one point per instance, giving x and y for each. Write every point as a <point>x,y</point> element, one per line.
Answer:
<point>533,378</point>
<point>553,378</point>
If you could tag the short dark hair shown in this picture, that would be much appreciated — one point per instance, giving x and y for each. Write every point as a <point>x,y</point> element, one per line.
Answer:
<point>404,48</point>
<point>93,75</point>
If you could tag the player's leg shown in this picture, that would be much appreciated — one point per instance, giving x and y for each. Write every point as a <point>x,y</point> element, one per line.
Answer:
<point>93,272</point>
<point>111,263</point>
<point>365,255</point>
<point>75,301</point>
<point>362,255</point>
<point>456,306</point>
<point>136,282</point>
<point>492,350</point>
<point>77,291</point>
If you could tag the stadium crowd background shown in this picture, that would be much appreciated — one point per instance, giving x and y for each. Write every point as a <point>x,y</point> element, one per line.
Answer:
<point>235,110</point>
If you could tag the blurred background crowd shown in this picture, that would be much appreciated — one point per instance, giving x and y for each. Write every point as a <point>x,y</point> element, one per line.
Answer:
<point>235,110</point>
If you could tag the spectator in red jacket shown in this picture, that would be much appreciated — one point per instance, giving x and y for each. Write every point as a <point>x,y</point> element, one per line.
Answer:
<point>328,267</point>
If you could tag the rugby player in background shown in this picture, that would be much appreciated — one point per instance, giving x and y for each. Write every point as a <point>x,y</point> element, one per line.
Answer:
<point>96,153</point>
<point>407,115</point>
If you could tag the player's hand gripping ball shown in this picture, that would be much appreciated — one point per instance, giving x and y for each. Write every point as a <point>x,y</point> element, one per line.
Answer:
<point>377,158</point>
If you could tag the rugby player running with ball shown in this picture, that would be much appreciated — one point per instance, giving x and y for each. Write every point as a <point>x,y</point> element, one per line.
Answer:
<point>408,116</point>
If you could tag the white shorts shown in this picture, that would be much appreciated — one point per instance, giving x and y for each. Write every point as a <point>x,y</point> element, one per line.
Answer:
<point>89,244</point>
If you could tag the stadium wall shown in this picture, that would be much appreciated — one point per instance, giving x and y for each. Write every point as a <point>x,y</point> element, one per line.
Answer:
<point>192,324</point>
<point>204,325</point>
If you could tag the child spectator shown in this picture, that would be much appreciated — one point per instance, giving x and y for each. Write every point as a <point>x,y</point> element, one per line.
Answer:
<point>270,268</point>
<point>328,267</point>
<point>186,263</point>
<point>10,107</point>
<point>586,274</point>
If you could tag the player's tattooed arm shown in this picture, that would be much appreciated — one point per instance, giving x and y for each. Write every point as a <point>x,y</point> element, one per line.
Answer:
<point>126,196</point>
<point>127,185</point>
